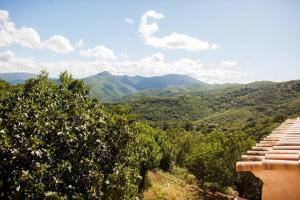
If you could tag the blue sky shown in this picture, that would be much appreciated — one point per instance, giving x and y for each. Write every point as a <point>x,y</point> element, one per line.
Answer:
<point>211,40</point>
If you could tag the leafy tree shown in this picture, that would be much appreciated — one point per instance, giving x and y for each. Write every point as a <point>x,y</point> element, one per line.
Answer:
<point>211,158</point>
<point>58,143</point>
<point>4,88</point>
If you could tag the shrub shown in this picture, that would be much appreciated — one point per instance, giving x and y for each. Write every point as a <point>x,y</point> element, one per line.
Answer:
<point>58,143</point>
<point>191,179</point>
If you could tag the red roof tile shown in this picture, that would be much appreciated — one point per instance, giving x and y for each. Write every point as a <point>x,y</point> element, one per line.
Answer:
<point>278,151</point>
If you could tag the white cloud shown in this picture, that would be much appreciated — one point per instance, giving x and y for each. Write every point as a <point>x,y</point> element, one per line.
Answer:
<point>58,44</point>
<point>229,63</point>
<point>172,41</point>
<point>29,37</point>
<point>129,20</point>
<point>80,43</point>
<point>147,29</point>
<point>4,15</point>
<point>10,63</point>
<point>99,52</point>
<point>154,65</point>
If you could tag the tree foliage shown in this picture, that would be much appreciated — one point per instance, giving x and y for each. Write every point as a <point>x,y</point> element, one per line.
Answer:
<point>58,143</point>
<point>210,130</point>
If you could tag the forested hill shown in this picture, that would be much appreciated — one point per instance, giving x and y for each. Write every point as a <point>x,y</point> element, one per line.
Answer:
<point>211,129</point>
<point>107,86</point>
<point>235,107</point>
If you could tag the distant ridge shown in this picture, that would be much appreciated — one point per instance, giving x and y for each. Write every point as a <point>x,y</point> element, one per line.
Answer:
<point>16,77</point>
<point>108,86</point>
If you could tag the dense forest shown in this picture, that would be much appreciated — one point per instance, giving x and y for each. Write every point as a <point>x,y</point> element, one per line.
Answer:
<point>58,142</point>
<point>211,129</point>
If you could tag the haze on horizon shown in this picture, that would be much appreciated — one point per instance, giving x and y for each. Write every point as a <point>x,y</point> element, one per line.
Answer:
<point>213,41</point>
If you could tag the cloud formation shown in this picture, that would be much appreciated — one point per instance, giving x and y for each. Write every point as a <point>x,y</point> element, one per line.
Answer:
<point>58,44</point>
<point>154,65</point>
<point>99,52</point>
<point>10,63</point>
<point>29,37</point>
<point>103,58</point>
<point>172,41</point>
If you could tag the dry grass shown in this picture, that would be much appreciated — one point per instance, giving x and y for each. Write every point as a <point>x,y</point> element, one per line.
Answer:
<point>178,185</point>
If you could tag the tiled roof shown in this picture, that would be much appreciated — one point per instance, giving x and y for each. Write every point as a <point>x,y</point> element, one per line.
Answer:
<point>278,151</point>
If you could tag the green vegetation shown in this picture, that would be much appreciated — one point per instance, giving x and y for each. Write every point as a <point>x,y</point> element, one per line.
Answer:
<point>210,130</point>
<point>111,87</point>
<point>4,88</point>
<point>58,143</point>
<point>228,109</point>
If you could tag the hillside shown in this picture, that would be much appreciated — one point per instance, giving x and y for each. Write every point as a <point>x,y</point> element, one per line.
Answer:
<point>211,129</point>
<point>107,86</point>
<point>227,108</point>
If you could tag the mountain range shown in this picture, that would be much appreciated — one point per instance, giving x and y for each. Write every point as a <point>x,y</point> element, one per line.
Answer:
<point>107,86</point>
<point>16,77</point>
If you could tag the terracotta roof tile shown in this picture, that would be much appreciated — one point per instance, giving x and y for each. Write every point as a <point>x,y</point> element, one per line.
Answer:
<point>278,151</point>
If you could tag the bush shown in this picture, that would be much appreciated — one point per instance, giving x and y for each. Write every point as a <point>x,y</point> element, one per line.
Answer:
<point>212,158</point>
<point>58,143</point>
<point>191,179</point>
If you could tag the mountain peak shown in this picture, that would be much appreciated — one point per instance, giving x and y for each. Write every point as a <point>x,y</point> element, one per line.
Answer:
<point>104,73</point>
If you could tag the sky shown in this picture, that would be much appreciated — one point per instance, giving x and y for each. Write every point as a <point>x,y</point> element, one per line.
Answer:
<point>216,41</point>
